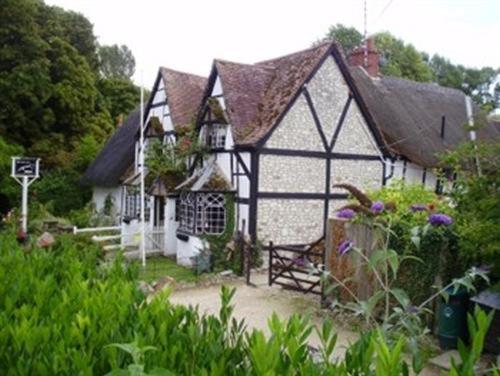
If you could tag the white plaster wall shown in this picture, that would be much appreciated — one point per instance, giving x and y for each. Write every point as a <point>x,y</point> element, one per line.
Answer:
<point>243,182</point>
<point>430,180</point>
<point>170,228</point>
<point>188,249</point>
<point>297,130</point>
<point>414,173</point>
<point>362,174</point>
<point>99,195</point>
<point>243,217</point>
<point>329,93</point>
<point>291,174</point>
<point>398,171</point>
<point>224,162</point>
<point>355,136</point>
<point>129,232</point>
<point>286,221</point>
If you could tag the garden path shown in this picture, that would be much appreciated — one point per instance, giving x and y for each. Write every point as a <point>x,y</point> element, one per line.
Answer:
<point>257,304</point>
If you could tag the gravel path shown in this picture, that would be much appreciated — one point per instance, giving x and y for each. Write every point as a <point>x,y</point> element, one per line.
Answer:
<point>257,304</point>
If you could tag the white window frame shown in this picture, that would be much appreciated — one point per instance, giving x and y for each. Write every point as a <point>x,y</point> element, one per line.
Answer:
<point>202,213</point>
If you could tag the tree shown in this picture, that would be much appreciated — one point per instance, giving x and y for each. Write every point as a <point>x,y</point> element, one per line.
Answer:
<point>400,59</point>
<point>9,188</point>
<point>347,37</point>
<point>116,62</point>
<point>120,96</point>
<point>482,84</point>
<point>53,102</point>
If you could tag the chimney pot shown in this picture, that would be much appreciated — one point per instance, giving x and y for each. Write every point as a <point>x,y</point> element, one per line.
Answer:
<point>371,63</point>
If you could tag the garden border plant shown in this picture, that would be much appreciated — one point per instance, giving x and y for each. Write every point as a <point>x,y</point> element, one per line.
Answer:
<point>390,307</point>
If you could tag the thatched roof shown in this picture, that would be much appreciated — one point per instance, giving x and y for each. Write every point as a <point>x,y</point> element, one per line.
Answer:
<point>409,115</point>
<point>116,156</point>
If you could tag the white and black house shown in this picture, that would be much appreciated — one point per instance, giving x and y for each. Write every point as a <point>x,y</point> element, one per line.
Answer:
<point>282,132</point>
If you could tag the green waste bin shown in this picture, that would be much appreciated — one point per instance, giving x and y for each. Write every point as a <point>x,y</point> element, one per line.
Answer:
<point>452,319</point>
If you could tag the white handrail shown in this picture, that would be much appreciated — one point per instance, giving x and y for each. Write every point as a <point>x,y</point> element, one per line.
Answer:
<point>77,230</point>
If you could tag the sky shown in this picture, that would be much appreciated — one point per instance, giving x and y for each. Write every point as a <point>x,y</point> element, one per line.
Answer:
<point>188,34</point>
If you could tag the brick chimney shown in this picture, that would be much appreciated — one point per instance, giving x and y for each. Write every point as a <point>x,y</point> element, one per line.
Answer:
<point>370,61</point>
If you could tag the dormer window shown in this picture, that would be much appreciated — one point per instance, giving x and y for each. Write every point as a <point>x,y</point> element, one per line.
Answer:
<point>215,136</point>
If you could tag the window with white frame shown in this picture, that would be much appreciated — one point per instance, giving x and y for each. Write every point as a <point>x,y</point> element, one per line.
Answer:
<point>202,213</point>
<point>133,205</point>
<point>187,212</point>
<point>215,136</point>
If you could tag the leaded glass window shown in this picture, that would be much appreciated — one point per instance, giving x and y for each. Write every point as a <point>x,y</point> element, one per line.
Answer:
<point>202,213</point>
<point>216,136</point>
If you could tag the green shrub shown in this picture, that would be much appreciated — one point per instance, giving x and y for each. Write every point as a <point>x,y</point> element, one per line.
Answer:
<point>476,193</point>
<point>62,190</point>
<point>438,251</point>
<point>65,311</point>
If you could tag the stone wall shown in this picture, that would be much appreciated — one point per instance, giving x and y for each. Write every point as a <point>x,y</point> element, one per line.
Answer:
<point>286,221</point>
<point>329,93</point>
<point>291,174</point>
<point>364,175</point>
<point>297,130</point>
<point>289,221</point>
<point>355,137</point>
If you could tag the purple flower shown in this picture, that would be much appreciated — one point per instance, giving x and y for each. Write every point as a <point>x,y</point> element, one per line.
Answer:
<point>418,207</point>
<point>438,219</point>
<point>346,213</point>
<point>377,207</point>
<point>345,247</point>
<point>300,261</point>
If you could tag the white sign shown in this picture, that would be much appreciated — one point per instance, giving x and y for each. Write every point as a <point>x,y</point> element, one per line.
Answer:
<point>25,171</point>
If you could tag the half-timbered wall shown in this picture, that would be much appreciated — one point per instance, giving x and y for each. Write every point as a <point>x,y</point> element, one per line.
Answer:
<point>323,139</point>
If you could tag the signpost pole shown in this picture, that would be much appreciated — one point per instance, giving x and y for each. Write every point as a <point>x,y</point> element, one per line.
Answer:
<point>141,161</point>
<point>24,205</point>
<point>25,171</point>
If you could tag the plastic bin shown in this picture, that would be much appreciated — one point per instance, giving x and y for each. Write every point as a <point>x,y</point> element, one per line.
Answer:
<point>452,319</point>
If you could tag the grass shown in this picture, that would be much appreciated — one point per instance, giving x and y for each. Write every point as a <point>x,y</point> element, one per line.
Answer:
<point>158,267</point>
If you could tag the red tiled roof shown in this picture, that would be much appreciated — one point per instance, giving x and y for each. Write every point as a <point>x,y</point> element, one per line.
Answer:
<point>184,94</point>
<point>243,86</point>
<point>257,94</point>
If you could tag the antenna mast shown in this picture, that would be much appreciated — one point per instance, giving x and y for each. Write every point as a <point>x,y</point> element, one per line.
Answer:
<point>365,36</point>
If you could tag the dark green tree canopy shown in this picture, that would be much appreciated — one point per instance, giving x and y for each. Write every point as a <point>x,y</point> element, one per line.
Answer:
<point>116,62</point>
<point>54,102</point>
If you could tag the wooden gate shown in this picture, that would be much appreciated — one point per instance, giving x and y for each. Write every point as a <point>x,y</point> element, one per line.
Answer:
<point>297,268</point>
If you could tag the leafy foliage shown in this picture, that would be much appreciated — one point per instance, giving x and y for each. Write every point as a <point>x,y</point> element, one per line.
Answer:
<point>402,59</point>
<point>116,62</point>
<point>53,102</point>
<point>437,247</point>
<point>66,311</point>
<point>347,37</point>
<point>168,160</point>
<point>477,196</point>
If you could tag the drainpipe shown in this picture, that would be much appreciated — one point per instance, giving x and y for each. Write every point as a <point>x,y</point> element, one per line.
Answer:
<point>472,132</point>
